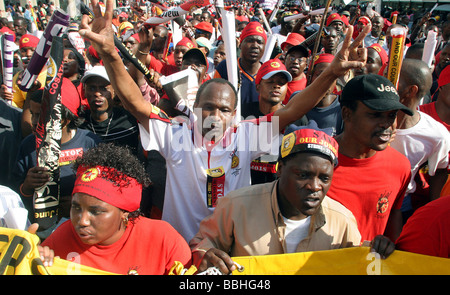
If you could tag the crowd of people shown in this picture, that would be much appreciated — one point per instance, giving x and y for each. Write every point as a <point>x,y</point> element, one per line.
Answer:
<point>328,153</point>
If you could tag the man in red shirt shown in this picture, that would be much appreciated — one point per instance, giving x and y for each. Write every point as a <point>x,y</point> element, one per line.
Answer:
<point>371,178</point>
<point>296,62</point>
<point>440,109</point>
<point>426,231</point>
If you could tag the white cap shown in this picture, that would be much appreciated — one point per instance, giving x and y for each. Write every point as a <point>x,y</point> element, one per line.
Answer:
<point>97,71</point>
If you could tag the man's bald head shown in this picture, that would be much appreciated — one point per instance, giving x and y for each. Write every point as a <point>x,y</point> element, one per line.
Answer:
<point>416,72</point>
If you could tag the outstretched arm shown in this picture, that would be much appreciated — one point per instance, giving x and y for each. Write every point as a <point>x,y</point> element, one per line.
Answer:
<point>349,57</point>
<point>100,33</point>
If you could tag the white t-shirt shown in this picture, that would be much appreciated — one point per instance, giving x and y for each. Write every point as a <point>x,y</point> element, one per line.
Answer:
<point>428,140</point>
<point>198,173</point>
<point>295,232</point>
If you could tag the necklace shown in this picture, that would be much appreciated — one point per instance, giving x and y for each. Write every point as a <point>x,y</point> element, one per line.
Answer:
<point>107,128</point>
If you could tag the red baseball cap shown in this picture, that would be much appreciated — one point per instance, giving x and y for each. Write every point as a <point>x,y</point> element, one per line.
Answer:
<point>28,40</point>
<point>270,68</point>
<point>252,29</point>
<point>186,42</point>
<point>204,26</point>
<point>323,58</point>
<point>292,39</point>
<point>309,140</point>
<point>333,17</point>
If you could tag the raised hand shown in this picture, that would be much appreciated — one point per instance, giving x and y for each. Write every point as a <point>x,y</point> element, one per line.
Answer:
<point>352,54</point>
<point>99,30</point>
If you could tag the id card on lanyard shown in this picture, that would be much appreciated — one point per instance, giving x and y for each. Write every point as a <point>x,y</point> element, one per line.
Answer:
<point>215,185</point>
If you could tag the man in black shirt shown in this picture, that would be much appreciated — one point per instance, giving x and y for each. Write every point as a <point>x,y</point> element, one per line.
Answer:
<point>109,122</point>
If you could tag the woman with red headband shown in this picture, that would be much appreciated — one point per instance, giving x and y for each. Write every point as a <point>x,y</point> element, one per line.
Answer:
<point>106,230</point>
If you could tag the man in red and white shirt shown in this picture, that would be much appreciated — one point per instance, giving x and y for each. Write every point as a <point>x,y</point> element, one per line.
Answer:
<point>206,156</point>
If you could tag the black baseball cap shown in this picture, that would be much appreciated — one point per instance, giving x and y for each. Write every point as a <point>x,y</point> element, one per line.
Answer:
<point>196,54</point>
<point>300,48</point>
<point>376,92</point>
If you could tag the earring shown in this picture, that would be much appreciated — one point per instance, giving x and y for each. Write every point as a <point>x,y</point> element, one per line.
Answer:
<point>125,221</point>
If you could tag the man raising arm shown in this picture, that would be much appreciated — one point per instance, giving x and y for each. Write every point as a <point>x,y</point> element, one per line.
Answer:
<point>101,35</point>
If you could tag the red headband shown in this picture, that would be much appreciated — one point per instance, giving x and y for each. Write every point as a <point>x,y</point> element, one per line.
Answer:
<point>94,181</point>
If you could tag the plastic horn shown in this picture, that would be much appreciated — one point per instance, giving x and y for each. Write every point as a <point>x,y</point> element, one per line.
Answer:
<point>394,18</point>
<point>229,38</point>
<point>275,10</point>
<point>429,48</point>
<point>271,41</point>
<point>56,27</point>
<point>396,54</point>
<point>7,60</point>
<point>301,15</point>
<point>177,11</point>
<point>266,24</point>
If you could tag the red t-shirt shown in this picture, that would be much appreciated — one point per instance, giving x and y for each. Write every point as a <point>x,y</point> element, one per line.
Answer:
<point>370,188</point>
<point>155,64</point>
<point>430,109</point>
<point>427,230</point>
<point>148,247</point>
<point>294,86</point>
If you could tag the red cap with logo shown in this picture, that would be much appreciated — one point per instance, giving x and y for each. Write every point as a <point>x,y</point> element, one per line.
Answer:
<point>28,40</point>
<point>270,68</point>
<point>309,140</point>
<point>333,17</point>
<point>186,42</point>
<point>252,29</point>
<point>323,58</point>
<point>292,39</point>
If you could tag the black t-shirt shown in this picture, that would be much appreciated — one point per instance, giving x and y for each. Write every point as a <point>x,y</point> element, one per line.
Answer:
<point>120,127</point>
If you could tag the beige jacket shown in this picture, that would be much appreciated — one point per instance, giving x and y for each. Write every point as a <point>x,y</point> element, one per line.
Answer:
<point>248,222</point>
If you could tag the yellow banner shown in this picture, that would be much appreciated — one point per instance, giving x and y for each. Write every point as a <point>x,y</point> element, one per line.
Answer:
<point>19,255</point>
<point>349,261</point>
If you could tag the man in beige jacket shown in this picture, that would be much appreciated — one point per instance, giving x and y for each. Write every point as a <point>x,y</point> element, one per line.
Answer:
<point>291,214</point>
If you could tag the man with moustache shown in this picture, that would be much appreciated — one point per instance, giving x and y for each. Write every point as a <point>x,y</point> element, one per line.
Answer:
<point>289,215</point>
<point>105,119</point>
<point>207,157</point>
<point>252,44</point>
<point>296,62</point>
<point>376,35</point>
<point>372,177</point>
